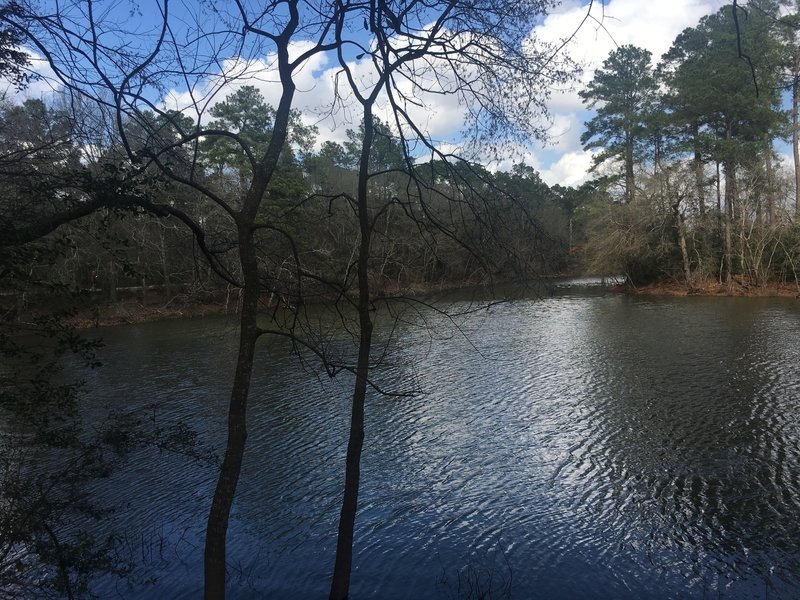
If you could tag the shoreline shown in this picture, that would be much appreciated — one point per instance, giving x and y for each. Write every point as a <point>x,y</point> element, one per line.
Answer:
<point>132,310</point>
<point>129,311</point>
<point>740,288</point>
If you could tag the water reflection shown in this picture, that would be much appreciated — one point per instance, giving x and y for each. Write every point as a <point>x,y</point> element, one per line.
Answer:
<point>585,445</point>
<point>684,443</point>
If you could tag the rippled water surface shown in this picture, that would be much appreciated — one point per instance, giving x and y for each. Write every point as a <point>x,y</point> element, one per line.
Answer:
<point>577,446</point>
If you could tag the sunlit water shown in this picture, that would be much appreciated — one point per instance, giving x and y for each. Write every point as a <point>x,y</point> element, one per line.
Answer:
<point>575,446</point>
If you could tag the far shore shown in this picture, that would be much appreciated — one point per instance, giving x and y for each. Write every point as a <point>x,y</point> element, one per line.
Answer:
<point>739,287</point>
<point>132,310</point>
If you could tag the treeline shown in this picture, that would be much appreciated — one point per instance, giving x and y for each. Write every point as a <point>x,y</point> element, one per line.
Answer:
<point>112,189</point>
<point>107,189</point>
<point>689,184</point>
<point>49,166</point>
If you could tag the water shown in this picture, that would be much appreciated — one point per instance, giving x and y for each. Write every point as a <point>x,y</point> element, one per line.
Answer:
<point>577,446</point>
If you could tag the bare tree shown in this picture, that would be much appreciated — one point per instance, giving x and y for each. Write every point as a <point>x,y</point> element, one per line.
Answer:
<point>125,73</point>
<point>483,54</point>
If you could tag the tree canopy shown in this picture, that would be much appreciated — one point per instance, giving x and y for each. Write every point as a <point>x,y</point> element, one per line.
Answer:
<point>623,92</point>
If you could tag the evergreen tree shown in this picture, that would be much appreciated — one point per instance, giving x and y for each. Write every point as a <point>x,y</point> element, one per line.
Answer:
<point>247,120</point>
<point>730,101</point>
<point>621,92</point>
<point>788,33</point>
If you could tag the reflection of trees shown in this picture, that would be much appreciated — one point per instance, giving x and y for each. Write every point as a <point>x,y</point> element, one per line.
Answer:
<point>686,436</point>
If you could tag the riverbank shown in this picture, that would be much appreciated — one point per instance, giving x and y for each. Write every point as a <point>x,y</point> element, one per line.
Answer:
<point>133,310</point>
<point>130,311</point>
<point>740,287</point>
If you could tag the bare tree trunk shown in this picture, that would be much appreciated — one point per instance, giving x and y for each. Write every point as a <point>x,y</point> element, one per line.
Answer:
<point>340,583</point>
<point>112,282</point>
<point>225,491</point>
<point>679,227</point>
<point>699,178</point>
<point>796,141</point>
<point>730,186</point>
<point>629,181</point>
<point>770,191</point>
<point>165,265</point>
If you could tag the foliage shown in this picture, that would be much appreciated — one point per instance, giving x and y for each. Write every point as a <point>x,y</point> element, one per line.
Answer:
<point>709,130</point>
<point>709,84</point>
<point>46,457</point>
<point>14,61</point>
<point>622,92</point>
<point>247,115</point>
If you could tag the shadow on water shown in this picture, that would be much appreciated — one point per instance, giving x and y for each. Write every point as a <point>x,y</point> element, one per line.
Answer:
<point>689,451</point>
<point>573,445</point>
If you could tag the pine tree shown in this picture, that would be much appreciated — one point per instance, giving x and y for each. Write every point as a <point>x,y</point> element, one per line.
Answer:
<point>621,92</point>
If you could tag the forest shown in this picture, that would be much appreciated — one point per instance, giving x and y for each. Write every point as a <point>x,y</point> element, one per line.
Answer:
<point>122,247</point>
<point>694,189</point>
<point>110,196</point>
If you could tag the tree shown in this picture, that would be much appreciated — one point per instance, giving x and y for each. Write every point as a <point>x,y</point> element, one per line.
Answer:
<point>485,50</point>
<point>621,92</point>
<point>733,102</point>
<point>451,48</point>
<point>247,114</point>
<point>123,80</point>
<point>788,32</point>
<point>49,457</point>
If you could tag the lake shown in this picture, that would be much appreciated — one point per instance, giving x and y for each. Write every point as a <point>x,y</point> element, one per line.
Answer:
<point>578,445</point>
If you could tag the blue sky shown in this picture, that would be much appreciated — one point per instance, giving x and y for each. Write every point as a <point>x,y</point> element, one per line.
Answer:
<point>652,25</point>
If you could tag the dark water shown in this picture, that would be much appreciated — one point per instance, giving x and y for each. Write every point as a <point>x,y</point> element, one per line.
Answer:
<point>579,446</point>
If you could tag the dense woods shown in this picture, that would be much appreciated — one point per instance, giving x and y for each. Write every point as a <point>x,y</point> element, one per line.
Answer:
<point>689,185</point>
<point>108,194</point>
<point>691,140</point>
<point>122,250</point>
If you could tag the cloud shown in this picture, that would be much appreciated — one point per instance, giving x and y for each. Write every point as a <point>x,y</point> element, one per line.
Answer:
<point>570,169</point>
<point>426,89</point>
<point>323,99</point>
<point>565,133</point>
<point>594,34</point>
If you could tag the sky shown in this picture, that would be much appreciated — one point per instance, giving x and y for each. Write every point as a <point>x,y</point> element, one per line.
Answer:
<point>649,24</point>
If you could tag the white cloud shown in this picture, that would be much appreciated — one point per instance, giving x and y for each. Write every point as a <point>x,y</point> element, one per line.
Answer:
<point>570,169</point>
<point>651,25</point>
<point>324,97</point>
<point>565,133</point>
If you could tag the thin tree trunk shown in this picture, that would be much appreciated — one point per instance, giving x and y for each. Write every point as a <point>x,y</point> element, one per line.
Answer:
<point>770,191</point>
<point>340,583</point>
<point>699,178</point>
<point>730,186</point>
<point>225,491</point>
<point>679,227</point>
<point>165,266</point>
<point>629,181</point>
<point>112,282</point>
<point>796,141</point>
<point>219,515</point>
